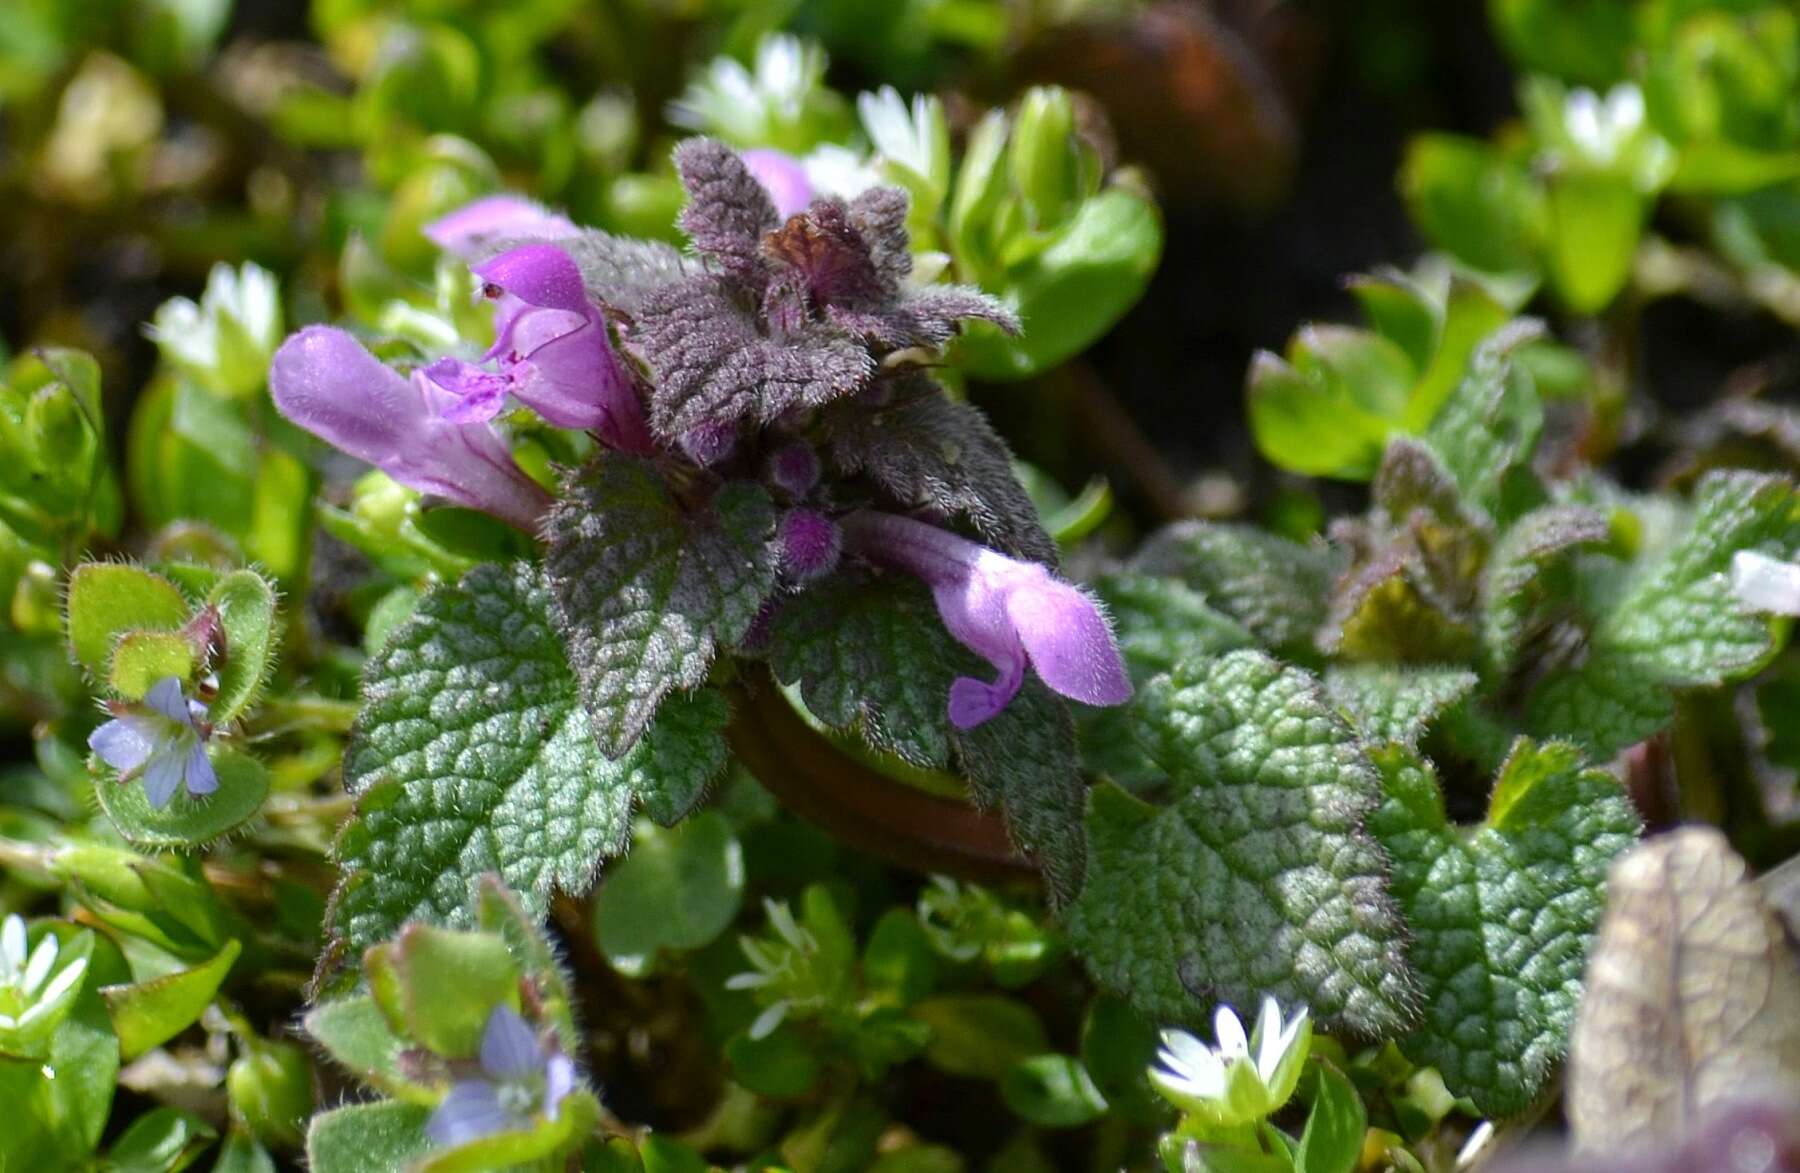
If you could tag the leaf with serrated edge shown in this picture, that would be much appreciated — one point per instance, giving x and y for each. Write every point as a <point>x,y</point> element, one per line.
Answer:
<point>1672,621</point>
<point>1679,618</point>
<point>474,754</point>
<point>872,653</point>
<point>1258,877</point>
<point>1693,996</point>
<point>1501,916</point>
<point>925,450</point>
<point>1275,587</point>
<point>1160,621</point>
<point>643,591</point>
<point>1519,578</point>
<point>1023,759</point>
<point>1387,702</point>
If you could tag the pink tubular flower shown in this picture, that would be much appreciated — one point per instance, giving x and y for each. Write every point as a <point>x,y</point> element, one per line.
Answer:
<point>324,381</point>
<point>551,351</point>
<point>1011,613</point>
<point>782,177</point>
<point>472,229</point>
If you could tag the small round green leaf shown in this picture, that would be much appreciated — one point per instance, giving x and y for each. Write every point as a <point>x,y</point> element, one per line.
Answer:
<point>188,821</point>
<point>678,889</point>
<point>109,598</point>
<point>246,605</point>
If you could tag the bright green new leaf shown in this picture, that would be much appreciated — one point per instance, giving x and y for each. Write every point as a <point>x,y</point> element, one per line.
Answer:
<point>141,658</point>
<point>1071,292</point>
<point>438,987</point>
<point>107,599</point>
<point>162,1140</point>
<point>1333,1139</point>
<point>1501,915</point>
<point>1257,878</point>
<point>148,1014</point>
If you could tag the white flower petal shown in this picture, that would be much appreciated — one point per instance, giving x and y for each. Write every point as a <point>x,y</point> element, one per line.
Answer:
<point>38,968</point>
<point>1230,1032</point>
<point>12,946</point>
<point>65,980</point>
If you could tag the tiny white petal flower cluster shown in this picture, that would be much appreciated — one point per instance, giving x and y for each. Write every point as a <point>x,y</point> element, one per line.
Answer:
<point>34,993</point>
<point>1243,1078</point>
<point>748,105</point>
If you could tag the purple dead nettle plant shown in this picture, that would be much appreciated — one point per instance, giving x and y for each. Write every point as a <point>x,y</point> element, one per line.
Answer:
<point>791,348</point>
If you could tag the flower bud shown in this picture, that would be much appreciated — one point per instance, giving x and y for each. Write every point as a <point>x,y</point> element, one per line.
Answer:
<point>1044,158</point>
<point>810,544</point>
<point>270,1085</point>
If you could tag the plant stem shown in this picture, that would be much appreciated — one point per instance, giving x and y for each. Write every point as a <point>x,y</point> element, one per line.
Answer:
<point>887,819</point>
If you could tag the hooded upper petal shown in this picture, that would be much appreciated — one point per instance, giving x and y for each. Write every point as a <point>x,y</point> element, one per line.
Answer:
<point>551,342</point>
<point>472,229</point>
<point>782,176</point>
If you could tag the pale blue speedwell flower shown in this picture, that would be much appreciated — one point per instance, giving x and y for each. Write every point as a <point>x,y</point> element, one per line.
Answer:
<point>37,986</point>
<point>520,1077</point>
<point>1240,1080</point>
<point>164,740</point>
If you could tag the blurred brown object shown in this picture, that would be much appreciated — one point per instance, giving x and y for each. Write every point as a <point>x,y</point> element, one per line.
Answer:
<point>1205,94</point>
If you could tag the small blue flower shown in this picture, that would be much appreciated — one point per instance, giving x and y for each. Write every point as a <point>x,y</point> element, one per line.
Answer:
<point>164,740</point>
<point>520,1076</point>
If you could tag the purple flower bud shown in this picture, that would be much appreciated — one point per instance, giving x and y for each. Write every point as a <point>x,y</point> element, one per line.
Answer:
<point>809,544</point>
<point>782,177</point>
<point>552,351</point>
<point>1013,614</point>
<point>794,469</point>
<point>163,740</point>
<point>708,444</point>
<point>521,1076</point>
<point>472,229</point>
<point>324,381</point>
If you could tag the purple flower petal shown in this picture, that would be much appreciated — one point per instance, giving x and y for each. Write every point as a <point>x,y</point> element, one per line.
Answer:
<point>509,1049</point>
<point>480,394</point>
<point>782,177</point>
<point>559,1081</point>
<point>165,698</point>
<point>471,1110</point>
<point>1070,645</point>
<point>199,774</point>
<point>542,275</point>
<point>324,381</point>
<point>472,229</point>
<point>1011,613</point>
<point>163,775</point>
<point>551,339</point>
<point>125,743</point>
